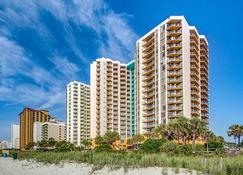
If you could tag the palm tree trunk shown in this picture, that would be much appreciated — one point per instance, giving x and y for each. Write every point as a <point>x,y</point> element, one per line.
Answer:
<point>193,142</point>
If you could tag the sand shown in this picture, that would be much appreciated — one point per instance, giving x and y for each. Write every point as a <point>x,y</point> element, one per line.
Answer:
<point>8,166</point>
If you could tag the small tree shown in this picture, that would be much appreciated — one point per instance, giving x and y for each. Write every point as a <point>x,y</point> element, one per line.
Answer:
<point>86,143</point>
<point>136,139</point>
<point>198,128</point>
<point>99,140</point>
<point>30,145</point>
<point>111,137</point>
<point>51,142</point>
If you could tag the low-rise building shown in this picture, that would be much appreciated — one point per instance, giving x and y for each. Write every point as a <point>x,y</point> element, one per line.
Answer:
<point>53,129</point>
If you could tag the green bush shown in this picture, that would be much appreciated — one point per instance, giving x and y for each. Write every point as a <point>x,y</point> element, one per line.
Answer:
<point>169,148</point>
<point>177,149</point>
<point>213,144</point>
<point>103,148</point>
<point>152,145</point>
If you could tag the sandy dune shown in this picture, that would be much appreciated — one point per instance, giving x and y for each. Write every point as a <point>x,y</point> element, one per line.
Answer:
<point>9,166</point>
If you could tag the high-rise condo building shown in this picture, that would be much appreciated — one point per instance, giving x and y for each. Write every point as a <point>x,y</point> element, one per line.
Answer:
<point>27,118</point>
<point>53,129</point>
<point>15,136</point>
<point>78,112</point>
<point>171,64</point>
<point>133,121</point>
<point>110,97</point>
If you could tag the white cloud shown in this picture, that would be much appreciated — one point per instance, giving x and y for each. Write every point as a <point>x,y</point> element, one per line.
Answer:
<point>45,88</point>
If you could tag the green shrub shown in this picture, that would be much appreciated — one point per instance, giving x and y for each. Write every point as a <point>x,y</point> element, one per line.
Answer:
<point>169,148</point>
<point>152,145</point>
<point>212,144</point>
<point>103,148</point>
<point>177,149</point>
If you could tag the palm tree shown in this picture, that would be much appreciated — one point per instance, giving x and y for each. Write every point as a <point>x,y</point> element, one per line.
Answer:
<point>111,137</point>
<point>236,132</point>
<point>198,128</point>
<point>161,131</point>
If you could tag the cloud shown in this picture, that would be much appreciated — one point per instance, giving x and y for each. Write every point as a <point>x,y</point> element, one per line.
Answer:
<point>38,59</point>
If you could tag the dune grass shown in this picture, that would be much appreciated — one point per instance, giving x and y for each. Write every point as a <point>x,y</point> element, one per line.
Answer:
<point>212,165</point>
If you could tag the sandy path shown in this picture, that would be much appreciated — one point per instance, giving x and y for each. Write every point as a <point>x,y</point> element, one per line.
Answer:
<point>9,166</point>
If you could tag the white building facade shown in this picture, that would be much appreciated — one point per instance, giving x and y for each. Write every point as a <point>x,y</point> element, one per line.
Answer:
<point>37,132</point>
<point>15,136</point>
<point>172,74</point>
<point>110,97</point>
<point>78,112</point>
<point>53,129</point>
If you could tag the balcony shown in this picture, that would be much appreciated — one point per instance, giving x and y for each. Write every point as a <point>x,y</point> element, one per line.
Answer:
<point>194,87</point>
<point>149,107</point>
<point>148,95</point>
<point>174,33</point>
<point>174,101</point>
<point>149,113</point>
<point>204,109</point>
<point>149,37</point>
<point>174,73</point>
<point>171,40</point>
<point>149,83</point>
<point>174,66</point>
<point>173,26</point>
<point>149,89</point>
<point>195,100</point>
<point>174,108</point>
<point>174,94</point>
<point>147,60</point>
<point>174,114</point>
<point>150,65</point>
<point>146,78</point>
<point>195,81</point>
<point>149,119</point>
<point>195,113</point>
<point>149,126</point>
<point>175,60</point>
<point>204,80</point>
<point>147,72</point>
<point>174,46</point>
<point>195,106</point>
<point>204,103</point>
<point>174,87</point>
<point>174,80</point>
<point>195,93</point>
<point>147,49</point>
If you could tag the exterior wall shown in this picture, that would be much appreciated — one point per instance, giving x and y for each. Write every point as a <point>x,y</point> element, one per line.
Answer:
<point>15,136</point>
<point>110,93</point>
<point>27,118</point>
<point>204,78</point>
<point>37,132</point>
<point>78,112</point>
<point>167,76</point>
<point>56,131</point>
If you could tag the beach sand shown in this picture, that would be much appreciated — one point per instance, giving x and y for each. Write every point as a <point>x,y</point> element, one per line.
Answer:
<point>8,166</point>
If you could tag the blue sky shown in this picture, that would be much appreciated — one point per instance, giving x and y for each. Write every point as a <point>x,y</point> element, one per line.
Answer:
<point>45,44</point>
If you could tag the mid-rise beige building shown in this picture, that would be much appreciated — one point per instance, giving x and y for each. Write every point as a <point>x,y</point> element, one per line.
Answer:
<point>171,64</point>
<point>78,112</point>
<point>53,129</point>
<point>110,93</point>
